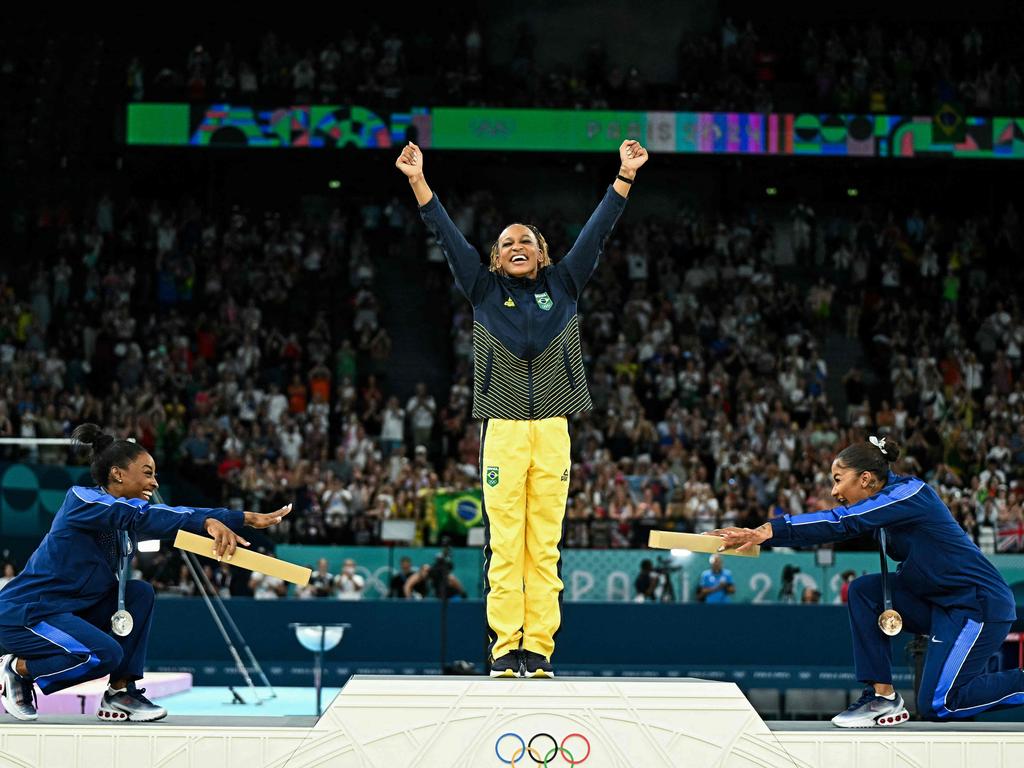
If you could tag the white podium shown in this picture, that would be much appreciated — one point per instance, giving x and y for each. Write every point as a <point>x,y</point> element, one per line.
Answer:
<point>476,722</point>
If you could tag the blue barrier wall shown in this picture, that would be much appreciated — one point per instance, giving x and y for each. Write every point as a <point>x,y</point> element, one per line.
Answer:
<point>754,645</point>
<point>608,574</point>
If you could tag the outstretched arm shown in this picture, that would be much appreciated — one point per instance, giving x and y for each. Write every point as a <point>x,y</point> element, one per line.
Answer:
<point>896,506</point>
<point>463,259</point>
<point>581,261</point>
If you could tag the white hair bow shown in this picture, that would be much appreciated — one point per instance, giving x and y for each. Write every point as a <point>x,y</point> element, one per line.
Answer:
<point>879,444</point>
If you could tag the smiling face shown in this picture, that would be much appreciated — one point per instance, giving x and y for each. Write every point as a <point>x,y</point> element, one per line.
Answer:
<point>850,486</point>
<point>135,481</point>
<point>518,252</point>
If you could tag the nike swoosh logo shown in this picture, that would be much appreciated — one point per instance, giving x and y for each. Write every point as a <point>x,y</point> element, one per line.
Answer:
<point>936,640</point>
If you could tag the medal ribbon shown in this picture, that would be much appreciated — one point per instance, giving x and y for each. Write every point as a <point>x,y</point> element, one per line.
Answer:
<point>124,553</point>
<point>886,589</point>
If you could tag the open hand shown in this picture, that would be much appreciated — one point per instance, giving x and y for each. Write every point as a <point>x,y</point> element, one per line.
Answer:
<point>410,161</point>
<point>266,519</point>
<point>740,539</point>
<point>631,154</point>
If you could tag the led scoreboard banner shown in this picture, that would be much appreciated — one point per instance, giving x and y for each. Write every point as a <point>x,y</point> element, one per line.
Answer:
<point>945,134</point>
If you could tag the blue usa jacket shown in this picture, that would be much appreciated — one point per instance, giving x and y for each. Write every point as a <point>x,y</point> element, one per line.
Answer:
<point>71,571</point>
<point>938,562</point>
<point>527,358</point>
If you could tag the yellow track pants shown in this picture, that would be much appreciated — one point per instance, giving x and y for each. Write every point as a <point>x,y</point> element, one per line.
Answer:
<point>525,470</point>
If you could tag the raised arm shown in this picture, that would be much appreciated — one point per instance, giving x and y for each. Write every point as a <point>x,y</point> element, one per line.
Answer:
<point>463,259</point>
<point>581,261</point>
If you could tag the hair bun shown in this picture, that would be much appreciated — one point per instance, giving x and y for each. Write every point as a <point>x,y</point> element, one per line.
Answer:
<point>102,442</point>
<point>92,434</point>
<point>888,447</point>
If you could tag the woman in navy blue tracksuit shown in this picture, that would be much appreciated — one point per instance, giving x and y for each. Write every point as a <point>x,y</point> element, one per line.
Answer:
<point>55,616</point>
<point>944,587</point>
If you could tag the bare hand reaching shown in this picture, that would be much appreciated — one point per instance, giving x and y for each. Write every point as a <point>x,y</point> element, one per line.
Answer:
<point>266,519</point>
<point>741,539</point>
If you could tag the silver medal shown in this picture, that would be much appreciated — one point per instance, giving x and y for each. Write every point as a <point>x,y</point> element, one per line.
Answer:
<point>122,623</point>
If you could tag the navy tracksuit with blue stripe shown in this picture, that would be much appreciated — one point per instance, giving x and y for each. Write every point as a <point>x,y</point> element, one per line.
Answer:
<point>944,587</point>
<point>55,614</point>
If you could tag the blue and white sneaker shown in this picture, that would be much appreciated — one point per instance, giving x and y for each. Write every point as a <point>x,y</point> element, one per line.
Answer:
<point>871,710</point>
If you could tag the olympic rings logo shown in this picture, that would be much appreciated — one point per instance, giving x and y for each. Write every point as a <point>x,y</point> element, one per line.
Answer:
<point>535,753</point>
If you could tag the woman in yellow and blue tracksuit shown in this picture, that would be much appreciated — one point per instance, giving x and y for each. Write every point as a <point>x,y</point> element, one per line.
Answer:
<point>528,376</point>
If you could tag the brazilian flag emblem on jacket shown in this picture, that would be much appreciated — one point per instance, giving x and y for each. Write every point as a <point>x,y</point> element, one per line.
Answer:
<point>544,301</point>
<point>492,476</point>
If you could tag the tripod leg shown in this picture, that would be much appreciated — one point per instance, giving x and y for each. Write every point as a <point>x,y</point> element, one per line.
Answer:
<point>219,602</point>
<point>194,570</point>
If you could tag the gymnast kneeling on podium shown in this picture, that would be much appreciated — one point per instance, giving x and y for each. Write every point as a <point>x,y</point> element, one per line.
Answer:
<point>944,587</point>
<point>72,614</point>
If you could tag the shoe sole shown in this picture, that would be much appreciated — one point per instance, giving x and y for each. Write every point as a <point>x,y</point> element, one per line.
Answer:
<point>116,715</point>
<point>884,721</point>
<point>25,718</point>
<point>12,709</point>
<point>504,673</point>
<point>540,673</point>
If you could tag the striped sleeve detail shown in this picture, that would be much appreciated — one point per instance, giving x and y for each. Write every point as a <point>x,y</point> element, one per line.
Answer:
<point>501,380</point>
<point>879,501</point>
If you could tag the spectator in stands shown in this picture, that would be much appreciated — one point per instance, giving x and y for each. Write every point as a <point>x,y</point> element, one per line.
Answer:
<point>322,583</point>
<point>645,582</point>
<point>428,581</point>
<point>9,572</point>
<point>396,587</point>
<point>350,584</point>
<point>715,584</point>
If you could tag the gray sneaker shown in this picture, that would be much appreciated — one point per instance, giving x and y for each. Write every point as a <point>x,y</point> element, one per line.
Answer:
<point>871,710</point>
<point>17,694</point>
<point>129,704</point>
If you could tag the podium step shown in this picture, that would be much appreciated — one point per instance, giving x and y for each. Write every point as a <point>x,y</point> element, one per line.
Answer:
<point>476,722</point>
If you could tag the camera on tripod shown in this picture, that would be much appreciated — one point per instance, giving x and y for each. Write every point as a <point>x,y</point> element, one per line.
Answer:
<point>666,566</point>
<point>786,592</point>
<point>439,570</point>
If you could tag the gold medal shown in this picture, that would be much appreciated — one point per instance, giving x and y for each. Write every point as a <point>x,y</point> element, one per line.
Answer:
<point>890,622</point>
<point>121,623</point>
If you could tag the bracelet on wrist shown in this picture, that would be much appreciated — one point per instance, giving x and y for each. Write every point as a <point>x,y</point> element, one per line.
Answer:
<point>624,179</point>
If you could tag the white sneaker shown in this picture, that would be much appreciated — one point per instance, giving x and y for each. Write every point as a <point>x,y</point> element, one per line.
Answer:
<point>17,694</point>
<point>871,710</point>
<point>129,704</point>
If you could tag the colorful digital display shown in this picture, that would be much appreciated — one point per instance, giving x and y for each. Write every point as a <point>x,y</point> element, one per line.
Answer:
<point>945,134</point>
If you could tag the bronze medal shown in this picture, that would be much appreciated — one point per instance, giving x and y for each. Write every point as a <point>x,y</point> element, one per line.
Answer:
<point>890,622</point>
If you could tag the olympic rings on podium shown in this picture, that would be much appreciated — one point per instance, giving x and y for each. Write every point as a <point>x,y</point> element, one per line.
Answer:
<point>529,750</point>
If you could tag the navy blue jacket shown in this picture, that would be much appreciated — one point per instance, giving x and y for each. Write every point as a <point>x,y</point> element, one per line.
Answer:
<point>70,571</point>
<point>527,358</point>
<point>938,561</point>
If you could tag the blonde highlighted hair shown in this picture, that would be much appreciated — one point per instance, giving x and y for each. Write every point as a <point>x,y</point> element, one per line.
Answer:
<point>542,246</point>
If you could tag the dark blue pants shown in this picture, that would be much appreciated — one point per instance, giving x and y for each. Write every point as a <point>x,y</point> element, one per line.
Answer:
<point>954,682</point>
<point>71,648</point>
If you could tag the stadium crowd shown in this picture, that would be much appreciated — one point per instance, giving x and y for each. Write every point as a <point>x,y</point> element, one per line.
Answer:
<point>713,400</point>
<point>249,351</point>
<point>896,68</point>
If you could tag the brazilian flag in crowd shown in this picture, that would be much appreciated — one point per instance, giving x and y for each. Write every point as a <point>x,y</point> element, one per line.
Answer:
<point>457,512</point>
